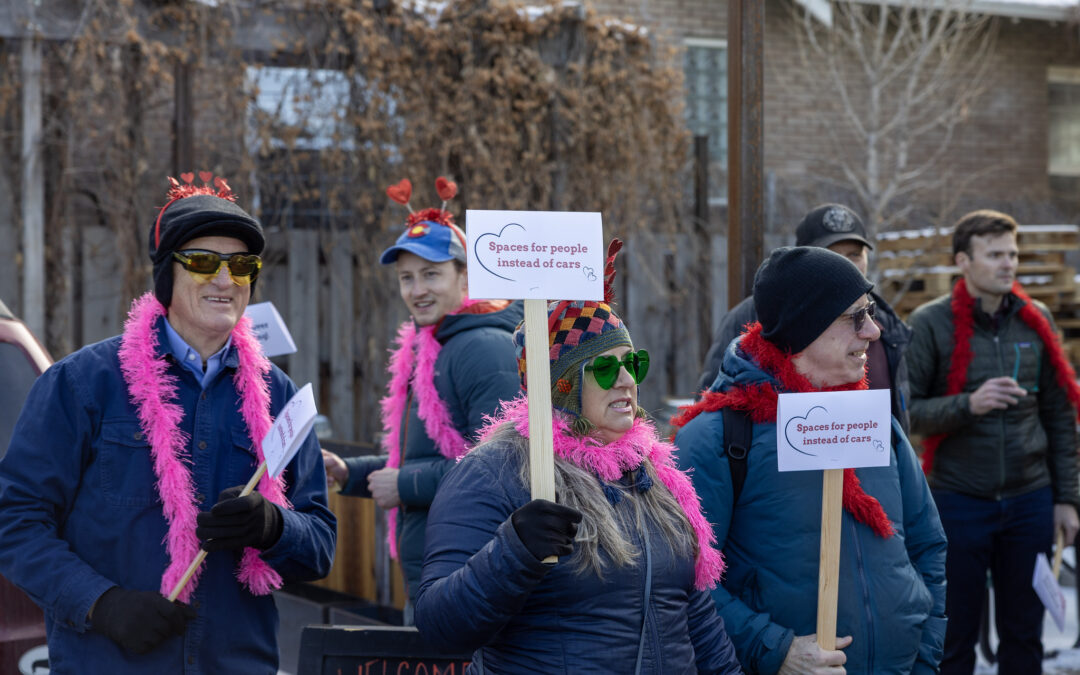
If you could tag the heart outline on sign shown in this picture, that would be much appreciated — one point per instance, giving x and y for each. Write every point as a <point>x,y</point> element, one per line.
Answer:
<point>804,418</point>
<point>476,248</point>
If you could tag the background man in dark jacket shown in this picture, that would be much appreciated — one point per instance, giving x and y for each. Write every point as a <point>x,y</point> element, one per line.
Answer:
<point>839,229</point>
<point>454,361</point>
<point>996,397</point>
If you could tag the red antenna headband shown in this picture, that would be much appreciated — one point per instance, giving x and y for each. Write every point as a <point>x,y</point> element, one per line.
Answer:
<point>189,189</point>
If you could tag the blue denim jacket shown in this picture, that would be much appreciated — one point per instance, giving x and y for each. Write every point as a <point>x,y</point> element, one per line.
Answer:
<point>80,513</point>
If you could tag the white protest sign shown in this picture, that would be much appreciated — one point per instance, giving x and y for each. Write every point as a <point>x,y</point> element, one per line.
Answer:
<point>1048,590</point>
<point>270,329</point>
<point>279,445</point>
<point>535,255</point>
<point>290,430</point>
<point>833,430</point>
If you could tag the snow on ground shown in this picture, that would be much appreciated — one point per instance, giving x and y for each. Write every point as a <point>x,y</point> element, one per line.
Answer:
<point>1062,659</point>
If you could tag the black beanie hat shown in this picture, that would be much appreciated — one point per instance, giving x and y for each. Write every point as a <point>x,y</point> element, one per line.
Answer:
<point>799,291</point>
<point>198,215</point>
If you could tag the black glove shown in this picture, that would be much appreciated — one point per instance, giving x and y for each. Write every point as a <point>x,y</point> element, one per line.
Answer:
<point>236,522</point>
<point>138,621</point>
<point>546,528</point>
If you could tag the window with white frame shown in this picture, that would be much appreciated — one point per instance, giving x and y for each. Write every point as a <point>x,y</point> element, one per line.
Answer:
<point>1064,121</point>
<point>295,116</point>
<point>705,72</point>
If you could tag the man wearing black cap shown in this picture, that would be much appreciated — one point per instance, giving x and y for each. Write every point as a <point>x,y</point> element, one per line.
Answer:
<point>130,455</point>
<point>454,362</point>
<point>839,229</point>
<point>891,599</point>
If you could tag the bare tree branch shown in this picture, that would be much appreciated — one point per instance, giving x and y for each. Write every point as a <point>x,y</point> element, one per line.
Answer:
<point>903,76</point>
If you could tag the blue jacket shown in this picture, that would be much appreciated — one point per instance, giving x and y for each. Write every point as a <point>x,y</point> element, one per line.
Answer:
<point>80,513</point>
<point>892,591</point>
<point>476,368</point>
<point>483,590</point>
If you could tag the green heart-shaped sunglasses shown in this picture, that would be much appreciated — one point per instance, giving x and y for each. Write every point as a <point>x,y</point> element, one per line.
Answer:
<point>606,368</point>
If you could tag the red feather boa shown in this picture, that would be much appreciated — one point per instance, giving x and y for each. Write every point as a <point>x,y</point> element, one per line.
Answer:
<point>963,308</point>
<point>760,401</point>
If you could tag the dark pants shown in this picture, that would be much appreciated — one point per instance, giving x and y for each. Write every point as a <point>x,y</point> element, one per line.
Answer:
<point>1004,538</point>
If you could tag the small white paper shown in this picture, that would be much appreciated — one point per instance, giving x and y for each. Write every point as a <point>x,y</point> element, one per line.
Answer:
<point>270,329</point>
<point>535,255</point>
<point>1048,590</point>
<point>833,430</point>
<point>290,430</point>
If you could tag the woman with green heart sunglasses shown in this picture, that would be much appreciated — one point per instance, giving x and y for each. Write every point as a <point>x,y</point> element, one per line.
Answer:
<point>635,553</point>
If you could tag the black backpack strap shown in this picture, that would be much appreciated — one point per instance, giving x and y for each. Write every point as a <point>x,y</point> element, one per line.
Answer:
<point>738,435</point>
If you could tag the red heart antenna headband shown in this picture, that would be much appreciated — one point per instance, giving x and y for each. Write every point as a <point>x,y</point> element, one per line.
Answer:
<point>189,189</point>
<point>447,189</point>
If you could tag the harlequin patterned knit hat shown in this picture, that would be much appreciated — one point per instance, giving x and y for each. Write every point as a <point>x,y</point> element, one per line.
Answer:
<point>578,332</point>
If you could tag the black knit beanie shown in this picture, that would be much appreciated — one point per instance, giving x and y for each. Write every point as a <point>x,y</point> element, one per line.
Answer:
<point>200,215</point>
<point>799,291</point>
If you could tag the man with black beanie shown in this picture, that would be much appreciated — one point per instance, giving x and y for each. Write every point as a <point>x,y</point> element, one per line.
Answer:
<point>130,455</point>
<point>814,331</point>
<point>839,229</point>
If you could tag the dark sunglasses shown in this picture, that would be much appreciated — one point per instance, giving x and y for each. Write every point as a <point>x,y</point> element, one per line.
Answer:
<point>204,265</point>
<point>858,317</point>
<point>606,368</point>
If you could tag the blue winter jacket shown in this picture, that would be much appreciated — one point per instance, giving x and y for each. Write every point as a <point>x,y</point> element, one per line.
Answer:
<point>80,513</point>
<point>482,590</point>
<point>892,591</point>
<point>476,368</point>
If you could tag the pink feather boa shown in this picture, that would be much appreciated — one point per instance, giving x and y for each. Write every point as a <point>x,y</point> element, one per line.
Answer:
<point>612,460</point>
<point>412,365</point>
<point>153,392</point>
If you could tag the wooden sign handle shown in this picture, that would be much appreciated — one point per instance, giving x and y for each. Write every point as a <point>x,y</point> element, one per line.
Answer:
<point>832,497</point>
<point>1059,546</point>
<point>538,380</point>
<point>202,554</point>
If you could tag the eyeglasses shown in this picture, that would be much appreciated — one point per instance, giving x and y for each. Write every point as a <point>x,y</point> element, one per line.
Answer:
<point>204,265</point>
<point>606,368</point>
<point>858,317</point>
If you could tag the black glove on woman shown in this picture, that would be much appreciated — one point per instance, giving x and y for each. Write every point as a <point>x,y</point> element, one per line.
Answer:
<point>138,621</point>
<point>546,528</point>
<point>237,522</point>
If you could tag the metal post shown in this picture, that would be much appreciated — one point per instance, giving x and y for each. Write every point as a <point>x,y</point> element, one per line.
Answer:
<point>746,149</point>
<point>33,191</point>
<point>703,242</point>
<point>183,120</point>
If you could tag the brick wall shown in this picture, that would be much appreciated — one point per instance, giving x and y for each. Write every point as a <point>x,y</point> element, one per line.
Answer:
<point>999,154</point>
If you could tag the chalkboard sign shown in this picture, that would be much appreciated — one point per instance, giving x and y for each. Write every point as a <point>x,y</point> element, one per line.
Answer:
<point>374,650</point>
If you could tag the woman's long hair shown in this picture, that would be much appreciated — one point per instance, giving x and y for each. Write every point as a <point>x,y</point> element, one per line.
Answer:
<point>604,533</point>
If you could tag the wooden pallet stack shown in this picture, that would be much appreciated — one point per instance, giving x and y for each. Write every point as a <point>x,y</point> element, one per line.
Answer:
<point>917,265</point>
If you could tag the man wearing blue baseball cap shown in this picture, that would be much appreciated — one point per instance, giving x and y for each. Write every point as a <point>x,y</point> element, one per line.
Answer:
<point>454,361</point>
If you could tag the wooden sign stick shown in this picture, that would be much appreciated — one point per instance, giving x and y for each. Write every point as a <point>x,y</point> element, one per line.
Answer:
<point>202,554</point>
<point>832,498</point>
<point>538,380</point>
<point>1059,547</point>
